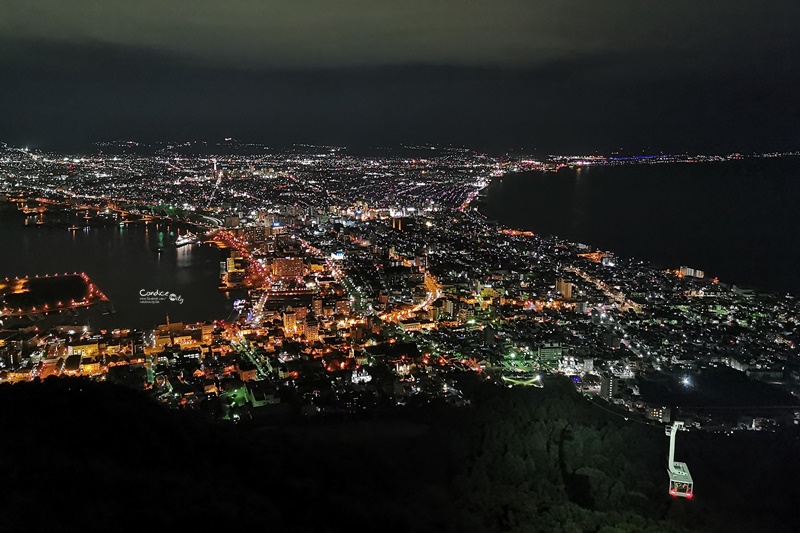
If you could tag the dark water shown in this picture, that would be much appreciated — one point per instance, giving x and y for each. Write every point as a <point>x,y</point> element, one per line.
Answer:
<point>736,220</point>
<point>121,261</point>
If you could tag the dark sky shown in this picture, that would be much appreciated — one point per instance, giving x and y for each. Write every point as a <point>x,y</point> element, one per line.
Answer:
<point>560,75</point>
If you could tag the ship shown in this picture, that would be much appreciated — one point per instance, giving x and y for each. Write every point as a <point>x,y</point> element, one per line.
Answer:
<point>187,238</point>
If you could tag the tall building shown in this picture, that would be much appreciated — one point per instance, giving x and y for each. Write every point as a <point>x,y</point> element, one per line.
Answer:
<point>356,333</point>
<point>312,330</point>
<point>565,288</point>
<point>206,333</point>
<point>466,313</point>
<point>316,305</point>
<point>256,234</point>
<point>609,386</point>
<point>235,267</point>
<point>489,336</point>
<point>289,321</point>
<point>421,260</point>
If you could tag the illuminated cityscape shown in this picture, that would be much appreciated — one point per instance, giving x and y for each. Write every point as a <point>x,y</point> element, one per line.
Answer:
<point>502,267</point>
<point>353,264</point>
<point>366,284</point>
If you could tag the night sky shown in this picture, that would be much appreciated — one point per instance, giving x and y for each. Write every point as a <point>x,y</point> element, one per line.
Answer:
<point>560,76</point>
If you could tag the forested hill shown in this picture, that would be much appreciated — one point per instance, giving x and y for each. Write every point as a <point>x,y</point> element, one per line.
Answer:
<point>74,452</point>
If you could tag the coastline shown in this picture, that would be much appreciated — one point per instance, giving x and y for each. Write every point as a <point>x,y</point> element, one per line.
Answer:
<point>723,261</point>
<point>120,262</point>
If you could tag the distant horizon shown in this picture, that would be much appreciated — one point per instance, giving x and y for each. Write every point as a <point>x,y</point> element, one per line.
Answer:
<point>238,143</point>
<point>571,77</point>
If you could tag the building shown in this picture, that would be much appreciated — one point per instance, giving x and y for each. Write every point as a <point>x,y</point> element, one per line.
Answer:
<point>691,272</point>
<point>403,223</point>
<point>312,330</point>
<point>610,386</point>
<point>87,349</point>
<point>550,354</point>
<point>448,308</point>
<point>235,266</point>
<point>660,414</point>
<point>342,306</point>
<point>10,348</point>
<point>72,366</point>
<point>410,325</point>
<point>316,305</point>
<point>256,234</point>
<point>612,341</point>
<point>90,366</point>
<point>246,371</point>
<point>571,365</point>
<point>565,288</point>
<point>206,333</point>
<point>21,374</point>
<point>360,376</point>
<point>490,336</point>
<point>288,267</point>
<point>300,313</point>
<point>356,333</point>
<point>289,321</point>
<point>275,229</point>
<point>261,393</point>
<point>466,313</point>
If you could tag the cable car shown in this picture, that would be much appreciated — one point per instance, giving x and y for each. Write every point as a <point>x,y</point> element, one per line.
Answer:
<point>680,480</point>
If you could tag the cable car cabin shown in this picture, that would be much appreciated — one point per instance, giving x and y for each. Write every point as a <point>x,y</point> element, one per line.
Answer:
<point>680,481</point>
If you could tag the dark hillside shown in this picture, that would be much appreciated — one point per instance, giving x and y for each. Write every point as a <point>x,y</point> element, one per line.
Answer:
<point>518,460</point>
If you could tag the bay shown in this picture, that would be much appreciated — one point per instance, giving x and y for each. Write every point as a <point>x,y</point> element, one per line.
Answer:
<point>123,261</point>
<point>737,220</point>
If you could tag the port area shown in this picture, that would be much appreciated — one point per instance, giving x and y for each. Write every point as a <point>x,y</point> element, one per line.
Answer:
<point>39,296</point>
